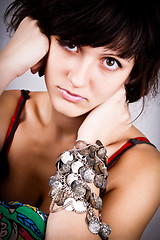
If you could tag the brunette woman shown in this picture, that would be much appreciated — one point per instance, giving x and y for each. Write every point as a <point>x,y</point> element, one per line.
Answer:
<point>97,56</point>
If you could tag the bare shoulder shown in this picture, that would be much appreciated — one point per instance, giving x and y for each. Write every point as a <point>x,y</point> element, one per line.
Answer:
<point>8,103</point>
<point>135,195</point>
<point>142,158</point>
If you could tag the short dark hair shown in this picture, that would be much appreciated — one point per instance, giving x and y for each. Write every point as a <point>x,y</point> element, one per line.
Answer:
<point>133,30</point>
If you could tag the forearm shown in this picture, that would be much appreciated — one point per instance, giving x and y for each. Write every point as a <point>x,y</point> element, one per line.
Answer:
<point>68,224</point>
<point>6,72</point>
<point>26,49</point>
<point>75,186</point>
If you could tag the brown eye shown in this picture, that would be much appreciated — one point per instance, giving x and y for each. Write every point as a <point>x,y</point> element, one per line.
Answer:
<point>111,63</point>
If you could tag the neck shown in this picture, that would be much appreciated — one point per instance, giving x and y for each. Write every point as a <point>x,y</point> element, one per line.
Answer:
<point>67,126</point>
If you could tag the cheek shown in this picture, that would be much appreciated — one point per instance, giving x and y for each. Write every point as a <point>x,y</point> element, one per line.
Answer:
<point>53,68</point>
<point>108,85</point>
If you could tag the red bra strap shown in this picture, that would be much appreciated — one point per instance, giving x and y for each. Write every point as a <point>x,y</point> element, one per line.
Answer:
<point>131,143</point>
<point>15,121</point>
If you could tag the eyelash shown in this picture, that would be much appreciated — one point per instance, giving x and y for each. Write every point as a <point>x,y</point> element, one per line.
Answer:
<point>111,68</point>
<point>68,43</point>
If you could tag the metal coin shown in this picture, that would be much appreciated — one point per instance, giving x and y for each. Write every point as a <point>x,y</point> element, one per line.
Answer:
<point>79,206</point>
<point>66,168</point>
<point>59,200</point>
<point>88,195</point>
<point>88,175</point>
<point>96,202</point>
<point>98,181</point>
<point>79,190</point>
<point>84,152</point>
<point>71,178</point>
<point>92,151</point>
<point>82,170</point>
<point>90,161</point>
<point>69,204</point>
<point>94,226</point>
<point>76,165</point>
<point>98,142</point>
<point>102,152</point>
<point>80,144</point>
<point>105,231</point>
<point>75,184</point>
<point>56,185</point>
<point>103,168</point>
<point>66,156</point>
<point>52,180</point>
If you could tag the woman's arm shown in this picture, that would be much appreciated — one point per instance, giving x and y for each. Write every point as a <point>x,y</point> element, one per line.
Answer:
<point>133,183</point>
<point>108,122</point>
<point>135,192</point>
<point>25,50</point>
<point>130,204</point>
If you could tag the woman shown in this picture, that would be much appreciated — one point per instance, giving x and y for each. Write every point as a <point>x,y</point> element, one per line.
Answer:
<point>95,55</point>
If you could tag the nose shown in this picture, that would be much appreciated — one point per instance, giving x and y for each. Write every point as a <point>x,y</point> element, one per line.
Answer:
<point>79,75</point>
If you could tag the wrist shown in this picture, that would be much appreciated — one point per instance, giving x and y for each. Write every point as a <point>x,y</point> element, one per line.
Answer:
<point>81,173</point>
<point>7,70</point>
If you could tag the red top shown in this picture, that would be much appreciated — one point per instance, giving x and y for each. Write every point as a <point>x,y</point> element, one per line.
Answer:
<point>15,122</point>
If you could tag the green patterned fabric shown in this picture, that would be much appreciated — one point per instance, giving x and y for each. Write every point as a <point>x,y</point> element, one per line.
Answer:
<point>21,222</point>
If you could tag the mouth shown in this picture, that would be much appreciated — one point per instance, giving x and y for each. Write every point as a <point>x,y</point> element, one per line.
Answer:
<point>71,97</point>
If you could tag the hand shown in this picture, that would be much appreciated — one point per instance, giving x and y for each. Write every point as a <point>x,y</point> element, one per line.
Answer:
<point>108,122</point>
<point>27,49</point>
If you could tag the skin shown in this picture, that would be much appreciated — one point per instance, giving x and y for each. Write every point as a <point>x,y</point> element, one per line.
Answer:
<point>133,183</point>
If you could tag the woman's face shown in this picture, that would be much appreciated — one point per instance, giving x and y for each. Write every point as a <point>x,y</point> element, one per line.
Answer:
<point>81,78</point>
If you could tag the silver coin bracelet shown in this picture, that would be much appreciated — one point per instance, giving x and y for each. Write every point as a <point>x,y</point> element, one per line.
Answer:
<point>85,163</point>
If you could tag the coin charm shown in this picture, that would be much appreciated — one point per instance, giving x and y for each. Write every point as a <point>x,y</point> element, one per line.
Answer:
<point>92,151</point>
<point>90,161</point>
<point>102,152</point>
<point>79,206</point>
<point>66,156</point>
<point>68,204</point>
<point>94,226</point>
<point>76,165</point>
<point>105,231</point>
<point>80,144</point>
<point>59,200</point>
<point>98,181</point>
<point>88,175</point>
<point>71,178</point>
<point>103,168</point>
<point>96,202</point>
<point>78,189</point>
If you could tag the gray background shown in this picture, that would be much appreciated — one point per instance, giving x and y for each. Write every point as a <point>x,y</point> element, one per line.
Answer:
<point>148,122</point>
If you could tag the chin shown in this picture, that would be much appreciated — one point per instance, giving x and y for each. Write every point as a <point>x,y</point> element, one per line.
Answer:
<point>69,110</point>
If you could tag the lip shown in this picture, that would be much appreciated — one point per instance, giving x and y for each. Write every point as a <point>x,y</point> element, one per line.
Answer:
<point>71,97</point>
